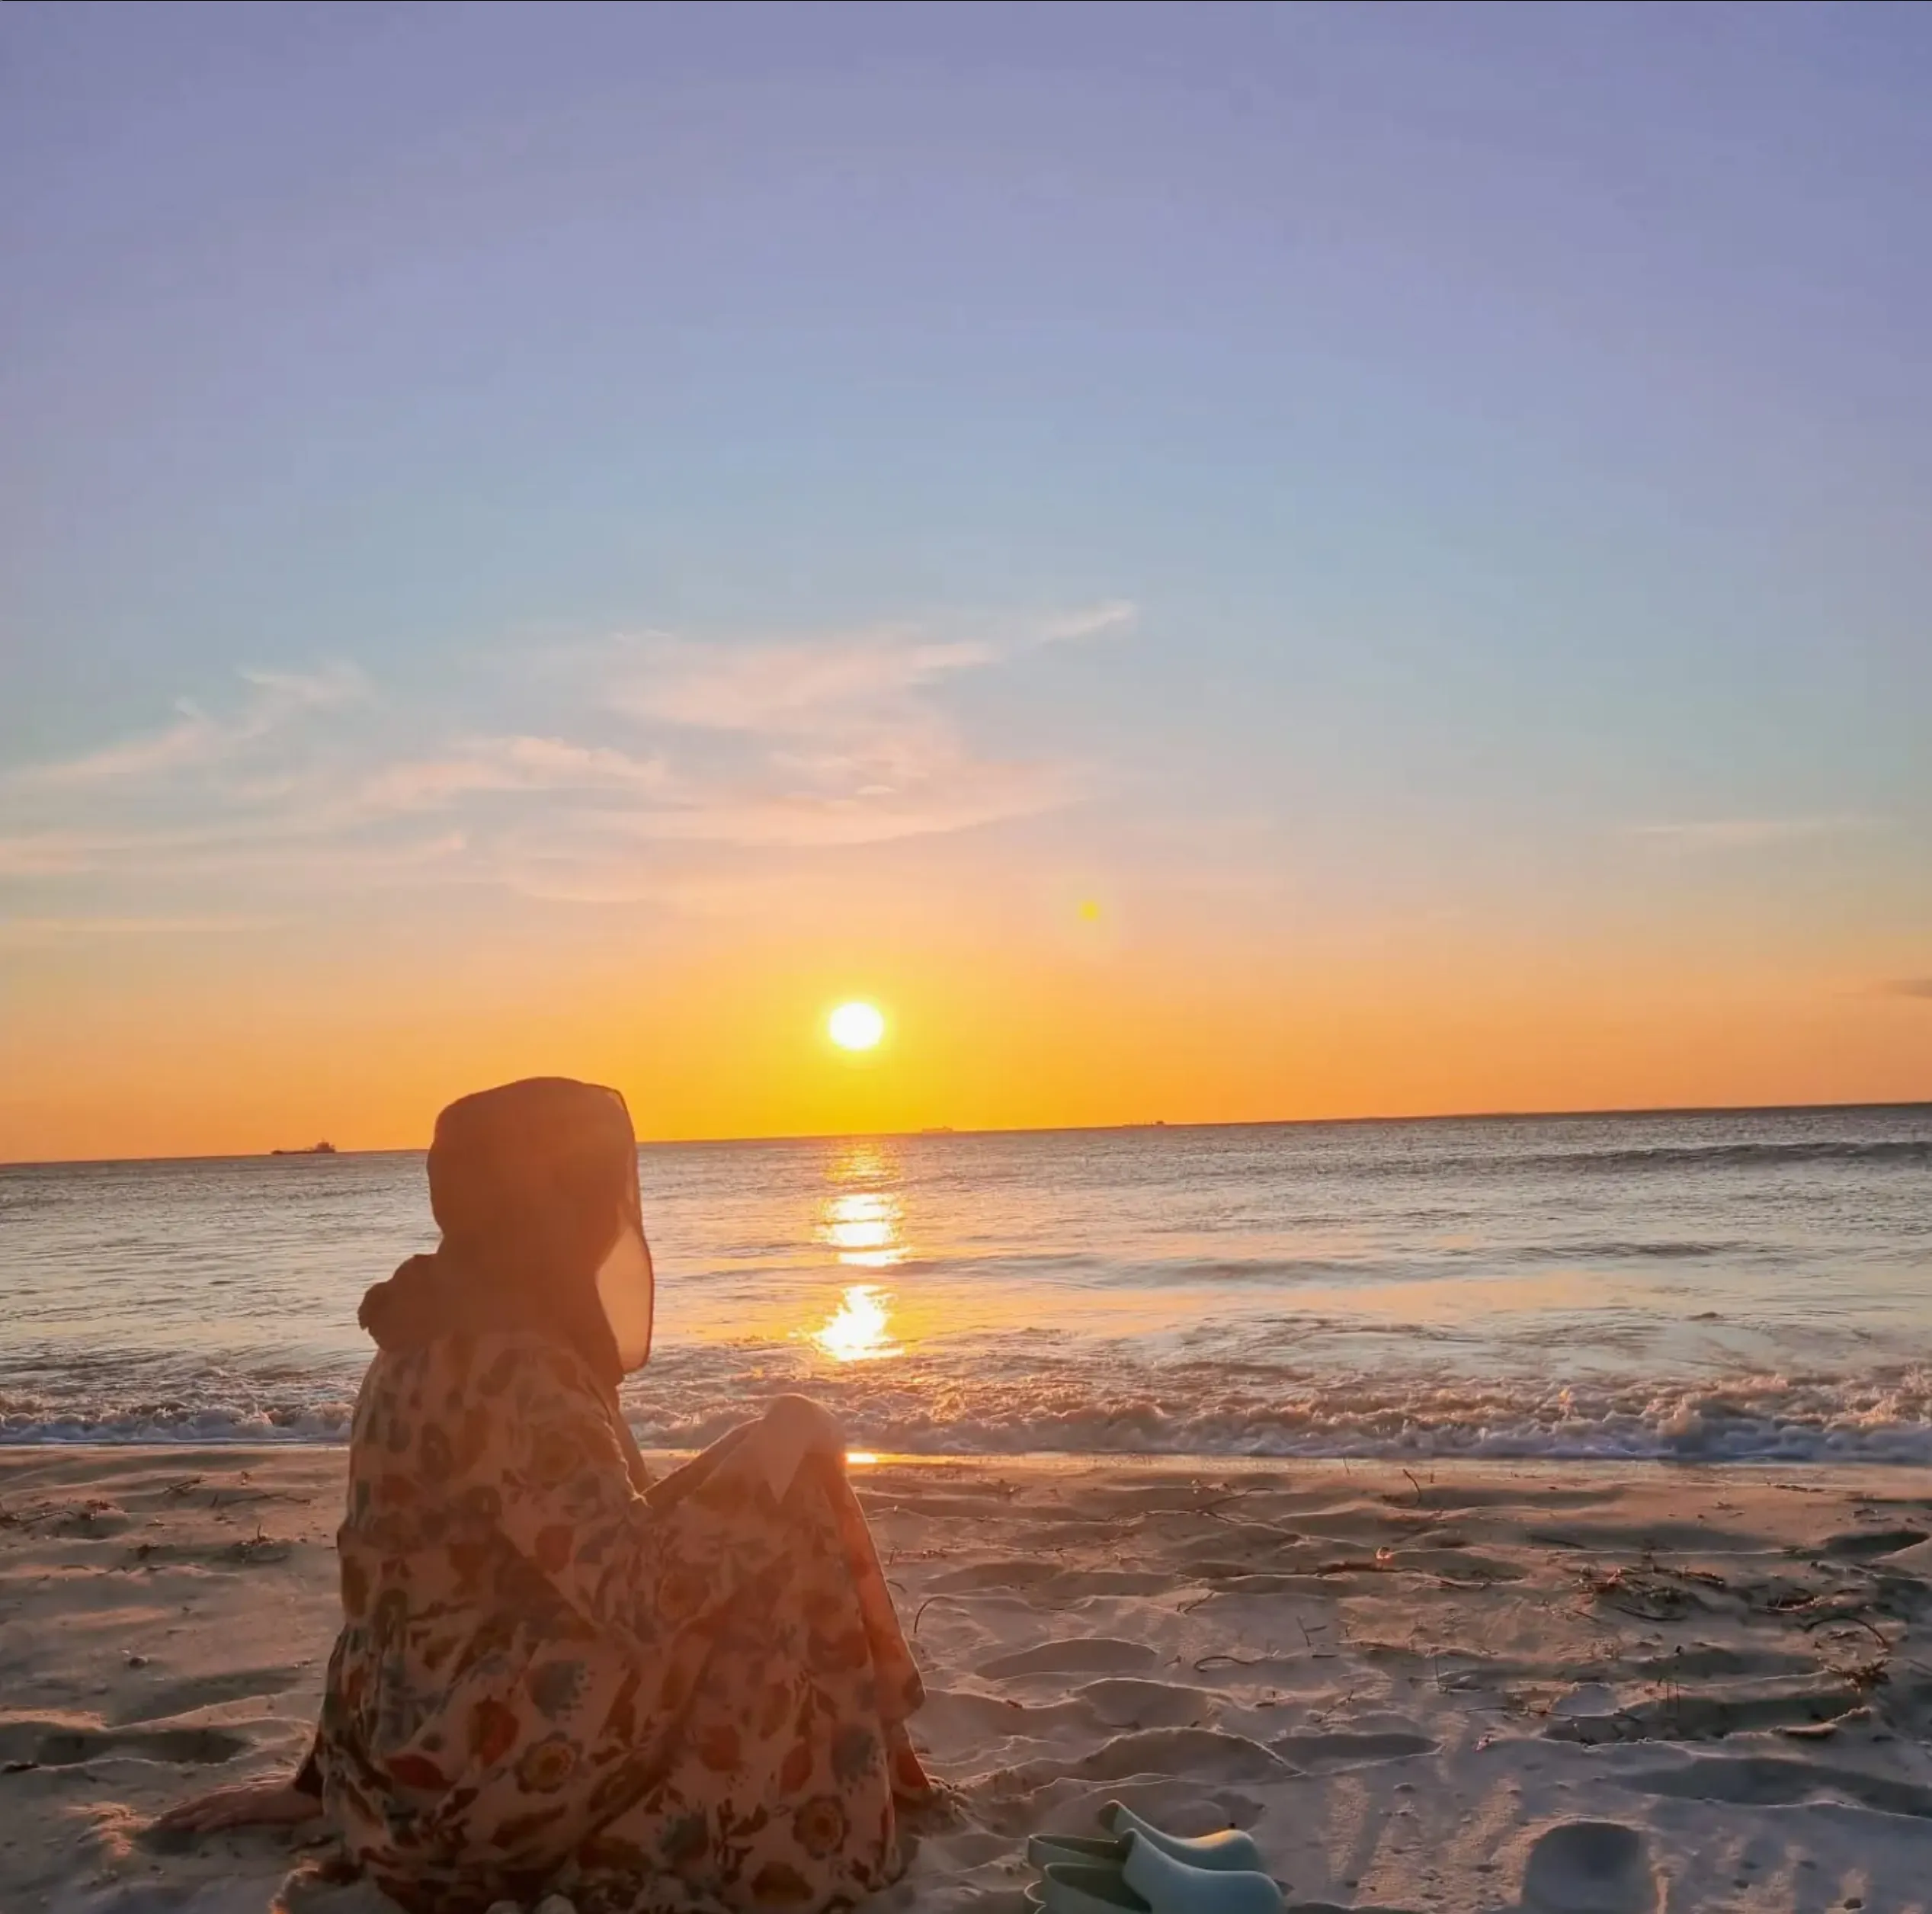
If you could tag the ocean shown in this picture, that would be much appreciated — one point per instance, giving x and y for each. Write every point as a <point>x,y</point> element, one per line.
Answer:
<point>1733,1286</point>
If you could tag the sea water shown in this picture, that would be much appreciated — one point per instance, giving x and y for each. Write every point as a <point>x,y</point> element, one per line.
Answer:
<point>1738,1285</point>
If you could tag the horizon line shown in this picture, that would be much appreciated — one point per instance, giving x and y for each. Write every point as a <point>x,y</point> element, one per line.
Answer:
<point>1631,1111</point>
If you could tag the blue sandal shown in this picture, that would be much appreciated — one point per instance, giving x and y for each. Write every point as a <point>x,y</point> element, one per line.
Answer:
<point>1138,1868</point>
<point>1226,1849</point>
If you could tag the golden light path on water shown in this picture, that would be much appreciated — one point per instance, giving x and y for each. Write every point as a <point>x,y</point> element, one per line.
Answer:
<point>860,1230</point>
<point>862,1226</point>
<point>860,1222</point>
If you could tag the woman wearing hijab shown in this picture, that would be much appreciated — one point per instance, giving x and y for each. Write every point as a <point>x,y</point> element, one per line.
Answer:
<point>553,1675</point>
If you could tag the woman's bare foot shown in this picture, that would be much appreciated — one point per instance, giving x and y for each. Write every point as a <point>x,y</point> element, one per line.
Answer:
<point>271,1803</point>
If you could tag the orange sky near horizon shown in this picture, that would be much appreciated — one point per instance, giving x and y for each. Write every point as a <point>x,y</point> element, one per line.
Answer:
<point>231,1046</point>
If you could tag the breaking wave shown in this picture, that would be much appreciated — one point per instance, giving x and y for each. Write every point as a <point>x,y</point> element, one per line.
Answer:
<point>1879,1418</point>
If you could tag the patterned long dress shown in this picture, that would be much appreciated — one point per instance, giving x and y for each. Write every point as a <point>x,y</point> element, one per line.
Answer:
<point>691,1698</point>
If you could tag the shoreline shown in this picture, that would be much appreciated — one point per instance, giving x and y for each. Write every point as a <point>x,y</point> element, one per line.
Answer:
<point>1422,1473</point>
<point>1880,1465</point>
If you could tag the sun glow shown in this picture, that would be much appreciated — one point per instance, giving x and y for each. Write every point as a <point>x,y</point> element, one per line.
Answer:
<point>857,1026</point>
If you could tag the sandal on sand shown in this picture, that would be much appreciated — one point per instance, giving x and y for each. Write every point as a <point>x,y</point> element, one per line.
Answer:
<point>1152,1882</point>
<point>1226,1848</point>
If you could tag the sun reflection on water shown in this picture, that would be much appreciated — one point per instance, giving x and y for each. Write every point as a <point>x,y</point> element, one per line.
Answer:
<point>861,1218</point>
<point>862,1226</point>
<point>861,1329</point>
<point>860,1222</point>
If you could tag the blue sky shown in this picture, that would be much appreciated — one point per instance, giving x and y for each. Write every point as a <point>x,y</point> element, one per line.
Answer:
<point>1444,454</point>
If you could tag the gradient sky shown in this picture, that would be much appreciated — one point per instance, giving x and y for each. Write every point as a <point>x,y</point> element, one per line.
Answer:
<point>1217,562</point>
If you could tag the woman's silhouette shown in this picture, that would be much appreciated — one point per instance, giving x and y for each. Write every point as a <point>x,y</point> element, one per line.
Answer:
<point>551,1674</point>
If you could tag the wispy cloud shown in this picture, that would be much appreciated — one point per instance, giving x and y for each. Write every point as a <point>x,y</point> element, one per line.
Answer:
<point>1907,987</point>
<point>47,853</point>
<point>509,764</point>
<point>1747,833</point>
<point>778,745</point>
<point>198,739</point>
<point>792,685</point>
<point>956,796</point>
<point>294,848</point>
<point>191,739</point>
<point>20,933</point>
<point>1093,621</point>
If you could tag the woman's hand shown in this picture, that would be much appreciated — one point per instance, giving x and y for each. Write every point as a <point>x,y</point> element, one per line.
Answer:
<point>795,1427</point>
<point>271,1803</point>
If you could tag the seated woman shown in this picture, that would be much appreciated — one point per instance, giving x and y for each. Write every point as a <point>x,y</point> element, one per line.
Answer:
<point>552,1675</point>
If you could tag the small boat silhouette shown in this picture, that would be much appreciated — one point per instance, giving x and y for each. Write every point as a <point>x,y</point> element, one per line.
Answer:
<point>314,1149</point>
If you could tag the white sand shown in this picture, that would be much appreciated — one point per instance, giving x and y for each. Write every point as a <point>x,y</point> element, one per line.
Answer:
<point>1478,1688</point>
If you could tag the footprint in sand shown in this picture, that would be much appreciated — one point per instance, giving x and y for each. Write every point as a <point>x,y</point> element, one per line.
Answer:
<point>1084,1655</point>
<point>1203,1755</point>
<point>1773,1780</point>
<point>1870,1544</point>
<point>164,1702</point>
<point>993,1575</point>
<point>957,1714</point>
<point>1308,1751</point>
<point>1704,1717</point>
<point>1590,1867</point>
<point>47,1744</point>
<point>1123,1701</point>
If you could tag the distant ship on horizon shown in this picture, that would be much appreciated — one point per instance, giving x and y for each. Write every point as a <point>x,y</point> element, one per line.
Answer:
<point>314,1149</point>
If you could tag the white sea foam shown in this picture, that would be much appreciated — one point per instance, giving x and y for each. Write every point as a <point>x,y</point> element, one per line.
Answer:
<point>1885,1419</point>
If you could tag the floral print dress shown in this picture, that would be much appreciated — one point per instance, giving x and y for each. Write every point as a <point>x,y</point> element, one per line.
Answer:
<point>552,1676</point>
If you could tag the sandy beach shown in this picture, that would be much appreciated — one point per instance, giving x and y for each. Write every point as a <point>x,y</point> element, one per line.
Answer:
<point>1447,1689</point>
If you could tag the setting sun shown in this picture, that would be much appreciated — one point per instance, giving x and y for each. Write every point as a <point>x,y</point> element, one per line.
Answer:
<point>857,1026</point>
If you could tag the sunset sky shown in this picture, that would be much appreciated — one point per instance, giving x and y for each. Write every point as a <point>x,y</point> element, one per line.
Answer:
<point>1214,563</point>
